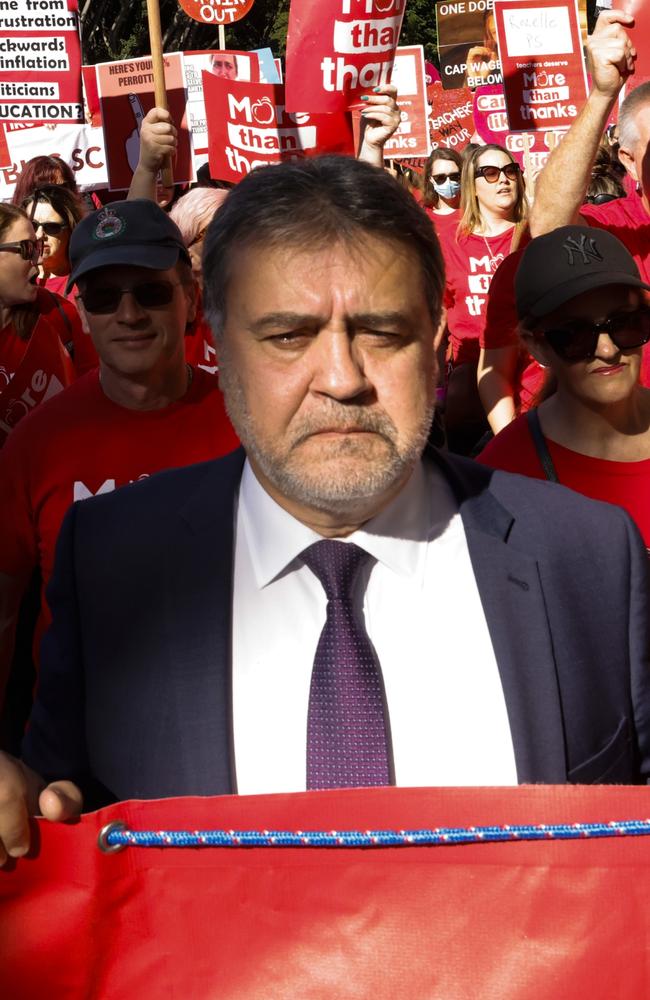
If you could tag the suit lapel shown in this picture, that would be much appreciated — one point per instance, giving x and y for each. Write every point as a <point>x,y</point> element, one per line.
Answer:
<point>512,598</point>
<point>199,624</point>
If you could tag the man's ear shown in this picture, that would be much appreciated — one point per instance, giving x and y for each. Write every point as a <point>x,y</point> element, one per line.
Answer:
<point>627,159</point>
<point>440,331</point>
<point>83,315</point>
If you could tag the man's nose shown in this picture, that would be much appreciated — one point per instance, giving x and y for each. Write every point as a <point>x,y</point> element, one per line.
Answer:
<point>338,366</point>
<point>128,309</point>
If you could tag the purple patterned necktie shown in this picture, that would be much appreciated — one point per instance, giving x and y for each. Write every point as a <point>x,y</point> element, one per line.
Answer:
<point>348,741</point>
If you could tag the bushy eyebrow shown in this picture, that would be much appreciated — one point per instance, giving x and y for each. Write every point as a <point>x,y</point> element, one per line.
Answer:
<point>291,320</point>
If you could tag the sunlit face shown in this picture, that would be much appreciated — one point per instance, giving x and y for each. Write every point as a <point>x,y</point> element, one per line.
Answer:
<point>612,375</point>
<point>55,247</point>
<point>134,340</point>
<point>499,198</point>
<point>17,276</point>
<point>328,367</point>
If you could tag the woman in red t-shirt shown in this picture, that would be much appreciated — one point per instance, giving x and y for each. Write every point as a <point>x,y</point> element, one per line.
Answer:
<point>441,183</point>
<point>493,212</point>
<point>592,433</point>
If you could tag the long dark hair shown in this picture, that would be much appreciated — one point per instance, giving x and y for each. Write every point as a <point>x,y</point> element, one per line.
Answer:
<point>431,198</point>
<point>23,317</point>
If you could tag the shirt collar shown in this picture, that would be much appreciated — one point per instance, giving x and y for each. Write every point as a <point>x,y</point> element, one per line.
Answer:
<point>397,537</point>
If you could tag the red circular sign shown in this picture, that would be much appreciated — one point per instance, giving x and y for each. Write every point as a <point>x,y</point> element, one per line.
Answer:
<point>216,11</point>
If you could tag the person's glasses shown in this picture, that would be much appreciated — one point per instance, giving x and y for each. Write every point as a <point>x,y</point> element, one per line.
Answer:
<point>442,178</point>
<point>600,199</point>
<point>492,174</point>
<point>578,341</point>
<point>49,228</point>
<point>29,250</point>
<point>148,295</point>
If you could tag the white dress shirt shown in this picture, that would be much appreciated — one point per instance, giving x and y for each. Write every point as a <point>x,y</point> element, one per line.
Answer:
<point>423,613</point>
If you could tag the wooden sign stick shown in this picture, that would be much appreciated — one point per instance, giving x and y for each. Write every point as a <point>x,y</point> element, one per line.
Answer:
<point>155,42</point>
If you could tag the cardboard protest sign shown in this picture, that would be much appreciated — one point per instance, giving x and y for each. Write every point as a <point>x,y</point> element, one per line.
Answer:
<point>249,126</point>
<point>544,78</point>
<point>46,369</point>
<point>412,136</point>
<point>451,122</point>
<point>5,156</point>
<point>126,93</point>
<point>467,44</point>
<point>491,123</point>
<point>227,64</point>
<point>542,919</point>
<point>80,146</point>
<point>338,50</point>
<point>270,68</point>
<point>639,35</point>
<point>40,61</point>
<point>216,11</point>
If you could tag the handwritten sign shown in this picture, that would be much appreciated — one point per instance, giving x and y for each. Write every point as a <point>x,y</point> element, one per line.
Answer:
<point>545,83</point>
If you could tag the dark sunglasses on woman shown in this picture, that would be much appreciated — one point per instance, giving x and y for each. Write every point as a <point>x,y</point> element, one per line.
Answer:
<point>443,178</point>
<point>578,340</point>
<point>50,228</point>
<point>28,249</point>
<point>492,174</point>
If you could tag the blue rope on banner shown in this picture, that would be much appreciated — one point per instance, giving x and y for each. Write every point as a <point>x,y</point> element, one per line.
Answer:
<point>116,836</point>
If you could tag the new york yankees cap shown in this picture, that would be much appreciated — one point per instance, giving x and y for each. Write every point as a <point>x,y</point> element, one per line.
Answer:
<point>556,267</point>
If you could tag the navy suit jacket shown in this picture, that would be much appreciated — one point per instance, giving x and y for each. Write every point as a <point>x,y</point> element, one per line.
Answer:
<point>134,699</point>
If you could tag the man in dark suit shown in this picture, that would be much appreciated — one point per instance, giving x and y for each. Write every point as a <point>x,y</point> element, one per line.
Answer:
<point>331,609</point>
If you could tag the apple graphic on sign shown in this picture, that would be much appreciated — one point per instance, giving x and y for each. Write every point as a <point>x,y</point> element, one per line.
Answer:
<point>263,111</point>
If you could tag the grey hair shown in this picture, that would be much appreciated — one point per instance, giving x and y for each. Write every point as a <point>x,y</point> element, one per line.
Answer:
<point>628,130</point>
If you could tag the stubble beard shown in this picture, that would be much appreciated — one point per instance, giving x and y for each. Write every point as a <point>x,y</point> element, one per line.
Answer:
<point>351,471</point>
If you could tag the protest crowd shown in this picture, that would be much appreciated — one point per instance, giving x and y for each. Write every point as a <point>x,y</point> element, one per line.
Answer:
<point>257,436</point>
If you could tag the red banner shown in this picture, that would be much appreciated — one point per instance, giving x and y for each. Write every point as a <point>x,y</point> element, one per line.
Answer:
<point>412,136</point>
<point>523,921</point>
<point>451,122</point>
<point>544,77</point>
<point>46,369</point>
<point>338,50</point>
<point>249,126</point>
<point>40,61</point>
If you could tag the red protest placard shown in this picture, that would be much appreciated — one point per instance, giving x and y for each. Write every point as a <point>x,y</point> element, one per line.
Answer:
<point>451,122</point>
<point>467,43</point>
<point>216,11</point>
<point>544,78</point>
<point>491,123</point>
<point>412,136</point>
<point>126,93</point>
<point>338,50</point>
<point>639,34</point>
<point>40,61</point>
<point>45,369</point>
<point>249,126</point>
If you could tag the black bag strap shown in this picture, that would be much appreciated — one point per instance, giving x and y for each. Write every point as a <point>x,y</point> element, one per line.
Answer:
<point>68,344</point>
<point>541,447</point>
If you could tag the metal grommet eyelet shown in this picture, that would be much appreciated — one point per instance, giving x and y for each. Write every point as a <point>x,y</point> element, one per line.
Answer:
<point>102,839</point>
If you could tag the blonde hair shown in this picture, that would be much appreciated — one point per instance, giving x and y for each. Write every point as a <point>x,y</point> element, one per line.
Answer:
<point>471,219</point>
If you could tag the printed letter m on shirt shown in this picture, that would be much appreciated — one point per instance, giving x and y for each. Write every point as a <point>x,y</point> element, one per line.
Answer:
<point>81,491</point>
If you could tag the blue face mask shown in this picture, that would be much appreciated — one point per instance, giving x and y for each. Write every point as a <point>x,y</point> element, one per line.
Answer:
<point>449,189</point>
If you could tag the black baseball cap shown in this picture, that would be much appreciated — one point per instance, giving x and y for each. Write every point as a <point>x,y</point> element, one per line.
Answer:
<point>135,232</point>
<point>556,267</point>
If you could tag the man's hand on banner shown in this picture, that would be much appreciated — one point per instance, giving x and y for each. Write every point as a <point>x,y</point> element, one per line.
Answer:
<point>380,119</point>
<point>610,53</point>
<point>23,793</point>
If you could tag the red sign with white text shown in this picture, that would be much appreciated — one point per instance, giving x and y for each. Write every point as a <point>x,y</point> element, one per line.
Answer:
<point>40,62</point>
<point>412,136</point>
<point>216,11</point>
<point>338,50</point>
<point>45,369</point>
<point>451,122</point>
<point>544,78</point>
<point>491,123</point>
<point>249,126</point>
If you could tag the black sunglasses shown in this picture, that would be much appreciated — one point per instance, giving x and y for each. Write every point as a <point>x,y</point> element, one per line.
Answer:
<point>29,250</point>
<point>578,341</point>
<point>491,173</point>
<point>50,228</point>
<point>441,178</point>
<point>148,295</point>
